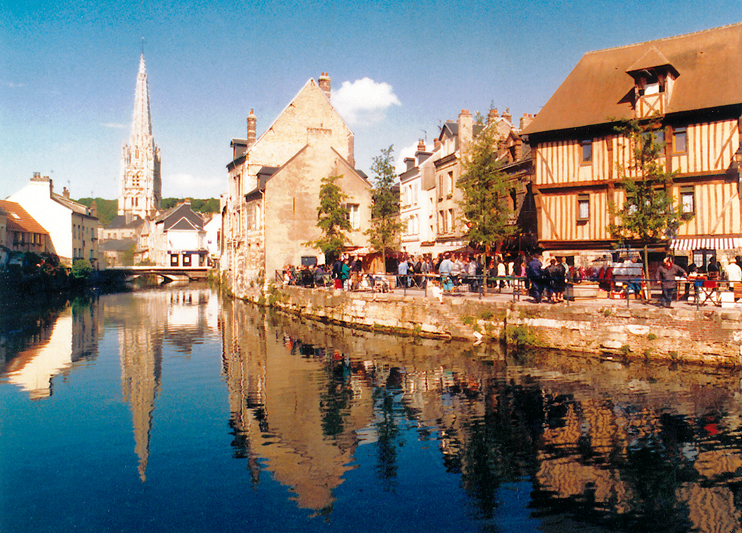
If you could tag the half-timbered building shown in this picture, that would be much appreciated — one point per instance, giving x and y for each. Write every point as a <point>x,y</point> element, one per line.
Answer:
<point>691,84</point>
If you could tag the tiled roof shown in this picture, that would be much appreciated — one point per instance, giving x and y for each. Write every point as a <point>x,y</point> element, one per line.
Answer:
<point>19,220</point>
<point>708,63</point>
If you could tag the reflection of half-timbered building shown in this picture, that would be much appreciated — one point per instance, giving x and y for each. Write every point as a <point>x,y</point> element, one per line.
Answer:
<point>693,85</point>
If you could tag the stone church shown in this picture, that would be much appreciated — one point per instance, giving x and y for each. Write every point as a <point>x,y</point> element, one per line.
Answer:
<point>141,185</point>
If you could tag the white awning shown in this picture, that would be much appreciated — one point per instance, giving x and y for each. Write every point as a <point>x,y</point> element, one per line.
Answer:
<point>709,243</point>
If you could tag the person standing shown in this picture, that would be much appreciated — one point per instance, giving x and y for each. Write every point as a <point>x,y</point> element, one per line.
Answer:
<point>666,274</point>
<point>734,276</point>
<point>444,270</point>
<point>535,274</point>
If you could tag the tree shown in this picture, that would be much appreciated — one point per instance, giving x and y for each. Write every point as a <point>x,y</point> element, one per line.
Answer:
<point>648,213</point>
<point>332,218</point>
<point>385,223</point>
<point>485,188</point>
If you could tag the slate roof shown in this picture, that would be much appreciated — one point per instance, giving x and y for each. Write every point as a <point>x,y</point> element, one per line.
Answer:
<point>119,222</point>
<point>19,220</point>
<point>708,63</point>
<point>173,217</point>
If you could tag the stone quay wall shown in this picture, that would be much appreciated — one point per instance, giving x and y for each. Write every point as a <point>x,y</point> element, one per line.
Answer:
<point>606,328</point>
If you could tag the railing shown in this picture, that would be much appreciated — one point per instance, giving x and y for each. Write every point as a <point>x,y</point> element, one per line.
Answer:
<point>700,291</point>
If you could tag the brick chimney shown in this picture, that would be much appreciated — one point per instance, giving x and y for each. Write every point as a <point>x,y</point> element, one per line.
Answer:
<point>492,116</point>
<point>252,122</point>
<point>65,192</point>
<point>437,145</point>
<point>324,84</point>
<point>421,145</point>
<point>525,120</point>
<point>507,116</point>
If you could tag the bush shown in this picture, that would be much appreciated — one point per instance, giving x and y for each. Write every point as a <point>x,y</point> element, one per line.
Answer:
<point>81,269</point>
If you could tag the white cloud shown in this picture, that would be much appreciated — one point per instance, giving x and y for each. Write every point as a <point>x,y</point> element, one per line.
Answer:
<point>13,85</point>
<point>113,125</point>
<point>364,101</point>
<point>185,185</point>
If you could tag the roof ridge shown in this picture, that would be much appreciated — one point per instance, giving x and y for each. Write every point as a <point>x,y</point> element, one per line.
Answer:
<point>663,39</point>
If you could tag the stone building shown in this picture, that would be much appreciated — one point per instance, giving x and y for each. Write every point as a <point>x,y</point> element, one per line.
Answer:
<point>270,210</point>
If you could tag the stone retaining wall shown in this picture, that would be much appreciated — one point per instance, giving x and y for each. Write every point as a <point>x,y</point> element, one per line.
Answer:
<point>709,336</point>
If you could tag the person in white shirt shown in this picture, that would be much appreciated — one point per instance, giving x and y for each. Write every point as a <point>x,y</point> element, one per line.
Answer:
<point>734,275</point>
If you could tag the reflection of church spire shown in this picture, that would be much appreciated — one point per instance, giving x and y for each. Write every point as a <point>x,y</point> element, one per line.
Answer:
<point>141,370</point>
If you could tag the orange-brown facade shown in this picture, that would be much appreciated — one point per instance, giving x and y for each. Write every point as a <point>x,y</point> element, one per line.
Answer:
<point>690,85</point>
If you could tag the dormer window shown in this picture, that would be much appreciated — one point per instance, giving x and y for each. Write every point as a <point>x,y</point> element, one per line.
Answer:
<point>653,76</point>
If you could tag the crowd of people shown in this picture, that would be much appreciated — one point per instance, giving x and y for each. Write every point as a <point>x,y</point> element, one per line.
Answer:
<point>544,282</point>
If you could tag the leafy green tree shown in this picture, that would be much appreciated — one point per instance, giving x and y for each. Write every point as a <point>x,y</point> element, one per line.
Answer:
<point>107,209</point>
<point>648,213</point>
<point>81,270</point>
<point>385,223</point>
<point>485,188</point>
<point>332,218</point>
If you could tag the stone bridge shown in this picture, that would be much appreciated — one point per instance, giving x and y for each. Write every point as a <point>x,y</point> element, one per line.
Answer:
<point>165,273</point>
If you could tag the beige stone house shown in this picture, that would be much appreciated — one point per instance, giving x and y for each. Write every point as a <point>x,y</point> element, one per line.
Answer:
<point>270,209</point>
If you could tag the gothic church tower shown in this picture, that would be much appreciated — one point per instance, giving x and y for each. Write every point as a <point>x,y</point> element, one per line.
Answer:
<point>141,185</point>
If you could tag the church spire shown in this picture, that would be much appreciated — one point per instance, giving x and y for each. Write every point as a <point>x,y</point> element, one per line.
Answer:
<point>141,185</point>
<point>141,128</point>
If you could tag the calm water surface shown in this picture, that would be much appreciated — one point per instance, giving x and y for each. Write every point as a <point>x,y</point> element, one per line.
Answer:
<point>171,410</point>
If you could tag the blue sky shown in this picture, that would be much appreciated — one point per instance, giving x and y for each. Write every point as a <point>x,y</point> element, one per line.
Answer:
<point>399,70</point>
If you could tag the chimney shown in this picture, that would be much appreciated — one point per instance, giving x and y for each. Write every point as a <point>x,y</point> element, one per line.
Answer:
<point>421,153</point>
<point>525,120</point>
<point>518,149</point>
<point>492,116</point>
<point>410,162</point>
<point>437,145</point>
<point>65,193</point>
<point>94,209</point>
<point>465,129</point>
<point>324,84</point>
<point>507,116</point>
<point>252,122</point>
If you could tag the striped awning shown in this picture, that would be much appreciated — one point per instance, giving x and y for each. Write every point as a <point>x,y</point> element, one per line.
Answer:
<point>707,243</point>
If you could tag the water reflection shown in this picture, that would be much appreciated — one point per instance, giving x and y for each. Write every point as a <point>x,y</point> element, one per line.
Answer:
<point>632,447</point>
<point>69,338</point>
<point>347,421</point>
<point>146,321</point>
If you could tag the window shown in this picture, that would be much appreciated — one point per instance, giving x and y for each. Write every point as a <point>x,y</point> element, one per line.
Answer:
<point>353,215</point>
<point>587,150</point>
<point>186,260</point>
<point>442,222</point>
<point>680,140</point>
<point>583,207</point>
<point>174,260</point>
<point>452,220</point>
<point>450,182</point>
<point>688,199</point>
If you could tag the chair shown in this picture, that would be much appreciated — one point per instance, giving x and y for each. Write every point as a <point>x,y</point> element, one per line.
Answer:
<point>710,291</point>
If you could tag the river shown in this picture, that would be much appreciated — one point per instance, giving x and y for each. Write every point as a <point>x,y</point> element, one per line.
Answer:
<point>174,410</point>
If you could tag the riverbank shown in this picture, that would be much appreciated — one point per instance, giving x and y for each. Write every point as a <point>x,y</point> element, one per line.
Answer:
<point>599,327</point>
